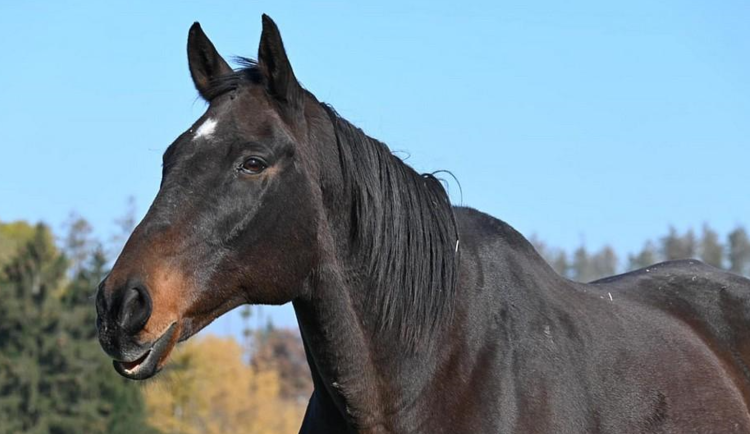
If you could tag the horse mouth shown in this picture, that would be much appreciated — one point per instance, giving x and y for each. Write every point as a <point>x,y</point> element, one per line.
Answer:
<point>151,361</point>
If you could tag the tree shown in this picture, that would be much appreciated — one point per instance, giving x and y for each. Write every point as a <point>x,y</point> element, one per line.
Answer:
<point>604,263</point>
<point>560,263</point>
<point>711,250</point>
<point>28,345</point>
<point>646,257</point>
<point>99,396</point>
<point>13,236</point>
<point>281,350</point>
<point>582,267</point>
<point>208,389</point>
<point>675,246</point>
<point>54,378</point>
<point>78,242</point>
<point>739,251</point>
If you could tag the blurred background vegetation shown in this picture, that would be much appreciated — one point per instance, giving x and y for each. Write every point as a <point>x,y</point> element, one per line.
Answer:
<point>54,378</point>
<point>730,252</point>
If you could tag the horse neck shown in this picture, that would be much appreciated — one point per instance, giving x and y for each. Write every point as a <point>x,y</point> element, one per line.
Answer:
<point>339,353</point>
<point>368,373</point>
<point>358,358</point>
<point>369,379</point>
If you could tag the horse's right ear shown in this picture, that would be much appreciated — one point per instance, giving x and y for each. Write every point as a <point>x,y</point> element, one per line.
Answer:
<point>205,62</point>
<point>274,63</point>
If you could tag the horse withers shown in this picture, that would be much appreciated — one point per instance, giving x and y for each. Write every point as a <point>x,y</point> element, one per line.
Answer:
<point>416,316</point>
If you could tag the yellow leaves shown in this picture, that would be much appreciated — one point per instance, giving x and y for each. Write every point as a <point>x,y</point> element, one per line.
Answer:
<point>207,388</point>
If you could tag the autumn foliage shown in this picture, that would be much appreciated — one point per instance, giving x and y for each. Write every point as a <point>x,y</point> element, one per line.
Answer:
<point>209,389</point>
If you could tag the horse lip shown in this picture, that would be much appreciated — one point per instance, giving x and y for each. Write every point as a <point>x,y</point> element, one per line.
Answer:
<point>136,358</point>
<point>149,366</point>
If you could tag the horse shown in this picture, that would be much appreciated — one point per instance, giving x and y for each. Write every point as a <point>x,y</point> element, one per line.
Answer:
<point>416,316</point>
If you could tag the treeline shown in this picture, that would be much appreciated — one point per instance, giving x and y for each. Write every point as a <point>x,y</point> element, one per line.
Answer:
<point>730,253</point>
<point>55,379</point>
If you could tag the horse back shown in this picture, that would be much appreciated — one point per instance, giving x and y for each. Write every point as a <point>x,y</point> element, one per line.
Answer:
<point>659,350</point>
<point>693,320</point>
<point>713,303</point>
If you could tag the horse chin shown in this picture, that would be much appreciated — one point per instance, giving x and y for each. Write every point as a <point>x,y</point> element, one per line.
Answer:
<point>153,359</point>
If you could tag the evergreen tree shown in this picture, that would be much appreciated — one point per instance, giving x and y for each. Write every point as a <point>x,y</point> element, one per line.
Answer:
<point>99,398</point>
<point>711,250</point>
<point>675,246</point>
<point>582,268</point>
<point>646,257</point>
<point>739,251</point>
<point>54,378</point>
<point>78,242</point>
<point>560,263</point>
<point>604,263</point>
<point>29,320</point>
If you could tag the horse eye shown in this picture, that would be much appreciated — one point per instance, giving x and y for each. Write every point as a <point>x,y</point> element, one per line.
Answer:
<point>253,166</point>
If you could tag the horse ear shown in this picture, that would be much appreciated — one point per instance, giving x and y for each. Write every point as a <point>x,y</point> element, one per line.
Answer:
<point>205,62</point>
<point>272,59</point>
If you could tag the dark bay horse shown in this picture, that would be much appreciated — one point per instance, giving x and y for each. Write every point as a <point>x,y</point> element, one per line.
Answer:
<point>417,317</point>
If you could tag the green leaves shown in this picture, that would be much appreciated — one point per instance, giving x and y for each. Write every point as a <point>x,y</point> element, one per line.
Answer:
<point>54,378</point>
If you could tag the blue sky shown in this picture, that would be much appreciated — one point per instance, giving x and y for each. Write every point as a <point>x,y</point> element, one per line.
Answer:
<point>583,122</point>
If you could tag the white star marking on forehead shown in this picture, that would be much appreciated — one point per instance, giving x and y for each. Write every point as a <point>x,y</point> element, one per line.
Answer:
<point>206,130</point>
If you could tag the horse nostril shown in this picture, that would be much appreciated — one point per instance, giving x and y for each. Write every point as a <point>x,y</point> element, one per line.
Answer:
<point>135,310</point>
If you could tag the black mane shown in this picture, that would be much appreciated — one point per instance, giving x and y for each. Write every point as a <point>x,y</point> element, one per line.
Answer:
<point>404,232</point>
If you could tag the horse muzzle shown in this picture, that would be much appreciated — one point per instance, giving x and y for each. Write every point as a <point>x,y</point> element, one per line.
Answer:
<point>120,320</point>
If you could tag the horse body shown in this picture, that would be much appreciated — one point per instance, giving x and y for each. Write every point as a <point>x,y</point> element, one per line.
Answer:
<point>416,316</point>
<point>652,351</point>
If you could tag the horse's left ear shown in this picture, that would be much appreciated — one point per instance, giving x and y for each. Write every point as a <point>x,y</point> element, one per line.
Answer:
<point>272,59</point>
<point>206,65</point>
